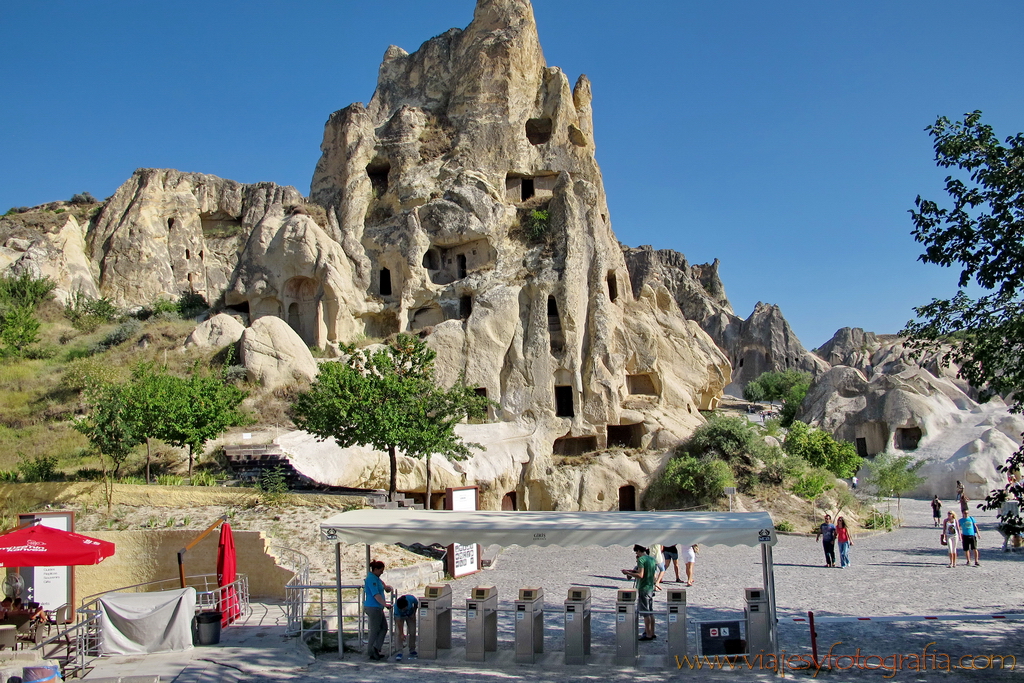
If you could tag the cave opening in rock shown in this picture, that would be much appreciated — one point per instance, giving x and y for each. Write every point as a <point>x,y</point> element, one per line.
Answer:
<point>538,131</point>
<point>555,327</point>
<point>641,384</point>
<point>528,189</point>
<point>460,266</point>
<point>508,502</point>
<point>378,172</point>
<point>432,260</point>
<point>385,282</point>
<point>627,498</point>
<point>574,445</point>
<point>907,438</point>
<point>625,436</point>
<point>564,401</point>
<point>465,306</point>
<point>613,286</point>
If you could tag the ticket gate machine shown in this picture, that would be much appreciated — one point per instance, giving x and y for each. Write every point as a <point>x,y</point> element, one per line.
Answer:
<point>759,624</point>
<point>529,625</point>
<point>626,627</point>
<point>677,631</point>
<point>577,625</point>
<point>481,623</point>
<point>435,620</point>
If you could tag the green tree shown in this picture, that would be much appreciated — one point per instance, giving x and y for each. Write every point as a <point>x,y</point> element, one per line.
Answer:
<point>108,424</point>
<point>389,400</point>
<point>789,386</point>
<point>818,448</point>
<point>197,409</point>
<point>19,329</point>
<point>982,233</point>
<point>892,475</point>
<point>687,480</point>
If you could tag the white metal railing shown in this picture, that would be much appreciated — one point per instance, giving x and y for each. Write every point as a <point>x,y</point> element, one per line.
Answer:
<point>319,614</point>
<point>295,593</point>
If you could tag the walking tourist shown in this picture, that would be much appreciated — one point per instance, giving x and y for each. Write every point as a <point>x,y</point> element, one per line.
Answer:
<point>964,500</point>
<point>643,575</point>
<point>671,553</point>
<point>659,565</point>
<point>969,532</point>
<point>405,620</point>
<point>843,537</point>
<point>950,531</point>
<point>936,510</point>
<point>691,560</point>
<point>827,536</point>
<point>374,606</point>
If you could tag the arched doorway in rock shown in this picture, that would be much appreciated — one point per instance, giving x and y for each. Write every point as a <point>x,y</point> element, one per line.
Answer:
<point>627,498</point>
<point>907,438</point>
<point>508,502</point>
<point>302,308</point>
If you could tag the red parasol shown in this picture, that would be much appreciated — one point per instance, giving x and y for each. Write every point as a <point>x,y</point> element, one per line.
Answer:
<point>43,546</point>
<point>226,575</point>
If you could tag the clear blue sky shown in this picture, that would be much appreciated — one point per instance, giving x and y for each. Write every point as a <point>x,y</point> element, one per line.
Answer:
<point>785,139</point>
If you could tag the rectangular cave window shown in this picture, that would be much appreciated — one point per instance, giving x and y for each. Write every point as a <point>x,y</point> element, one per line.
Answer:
<point>460,266</point>
<point>627,498</point>
<point>862,447</point>
<point>641,384</point>
<point>907,438</point>
<point>385,282</point>
<point>555,327</point>
<point>538,131</point>
<point>465,306</point>
<point>613,287</point>
<point>574,445</point>
<point>378,172</point>
<point>564,401</point>
<point>528,189</point>
<point>625,436</point>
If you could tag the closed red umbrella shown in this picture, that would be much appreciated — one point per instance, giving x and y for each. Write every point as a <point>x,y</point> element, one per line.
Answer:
<point>43,546</point>
<point>226,575</point>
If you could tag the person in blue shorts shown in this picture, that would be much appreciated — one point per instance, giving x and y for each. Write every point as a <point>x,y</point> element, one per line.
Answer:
<point>969,534</point>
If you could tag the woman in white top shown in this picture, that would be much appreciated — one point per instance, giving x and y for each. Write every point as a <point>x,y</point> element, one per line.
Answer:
<point>951,534</point>
<point>690,558</point>
<point>659,562</point>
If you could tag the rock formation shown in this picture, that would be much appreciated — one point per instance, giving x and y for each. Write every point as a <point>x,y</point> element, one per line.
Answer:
<point>763,342</point>
<point>274,355</point>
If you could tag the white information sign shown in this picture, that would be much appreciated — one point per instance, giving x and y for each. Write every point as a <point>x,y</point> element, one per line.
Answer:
<point>49,586</point>
<point>465,559</point>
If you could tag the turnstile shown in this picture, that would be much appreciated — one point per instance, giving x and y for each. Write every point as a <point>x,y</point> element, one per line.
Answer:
<point>529,625</point>
<point>677,631</point>
<point>626,627</point>
<point>759,624</point>
<point>577,625</point>
<point>435,620</point>
<point>481,623</point>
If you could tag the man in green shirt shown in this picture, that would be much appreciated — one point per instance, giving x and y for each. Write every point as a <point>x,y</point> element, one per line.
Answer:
<point>644,574</point>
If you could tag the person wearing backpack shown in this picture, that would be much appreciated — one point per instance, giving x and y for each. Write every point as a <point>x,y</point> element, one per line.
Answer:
<point>969,532</point>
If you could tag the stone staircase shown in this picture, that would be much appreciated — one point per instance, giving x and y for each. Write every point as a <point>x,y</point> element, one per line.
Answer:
<point>249,461</point>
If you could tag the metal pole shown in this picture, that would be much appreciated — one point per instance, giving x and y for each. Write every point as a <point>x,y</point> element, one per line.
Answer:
<point>337,583</point>
<point>814,637</point>
<point>768,570</point>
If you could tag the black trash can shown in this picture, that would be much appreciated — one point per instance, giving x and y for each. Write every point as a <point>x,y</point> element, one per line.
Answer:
<point>208,624</point>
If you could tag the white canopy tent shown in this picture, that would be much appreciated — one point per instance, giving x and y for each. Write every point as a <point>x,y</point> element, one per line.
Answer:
<point>564,529</point>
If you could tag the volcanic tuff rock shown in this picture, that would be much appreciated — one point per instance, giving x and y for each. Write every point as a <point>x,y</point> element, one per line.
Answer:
<point>274,355</point>
<point>763,342</point>
<point>216,333</point>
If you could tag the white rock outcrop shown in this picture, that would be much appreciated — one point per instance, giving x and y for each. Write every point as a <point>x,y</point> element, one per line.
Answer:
<point>215,333</point>
<point>274,355</point>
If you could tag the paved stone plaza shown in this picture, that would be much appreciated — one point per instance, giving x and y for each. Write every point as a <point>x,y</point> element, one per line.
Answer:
<point>898,573</point>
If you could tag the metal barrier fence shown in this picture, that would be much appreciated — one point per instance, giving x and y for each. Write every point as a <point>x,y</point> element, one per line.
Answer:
<point>315,612</point>
<point>294,591</point>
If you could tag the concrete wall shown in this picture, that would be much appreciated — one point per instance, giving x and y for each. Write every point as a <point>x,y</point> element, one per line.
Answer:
<point>152,555</point>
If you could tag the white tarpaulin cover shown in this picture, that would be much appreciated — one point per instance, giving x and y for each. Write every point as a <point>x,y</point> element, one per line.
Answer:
<point>140,623</point>
<point>565,529</point>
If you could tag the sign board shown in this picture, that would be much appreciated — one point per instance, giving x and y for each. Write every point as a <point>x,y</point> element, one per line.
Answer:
<point>462,559</point>
<point>51,587</point>
<point>720,638</point>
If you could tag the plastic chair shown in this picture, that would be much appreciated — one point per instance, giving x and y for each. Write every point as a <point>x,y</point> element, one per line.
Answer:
<point>35,635</point>
<point>8,637</point>
<point>57,617</point>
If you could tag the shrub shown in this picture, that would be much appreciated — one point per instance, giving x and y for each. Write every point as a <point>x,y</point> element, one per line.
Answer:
<point>537,223</point>
<point>191,304</point>
<point>89,372</point>
<point>784,525</point>
<point>272,486</point>
<point>19,329</point>
<point>89,474</point>
<point>203,478</point>
<point>25,290</point>
<point>122,333</point>
<point>738,442</point>
<point>880,520</point>
<point>132,479</point>
<point>38,468</point>
<point>817,447</point>
<point>689,481</point>
<point>170,480</point>
<point>813,483</point>
<point>84,198</point>
<point>87,313</point>
<point>8,476</point>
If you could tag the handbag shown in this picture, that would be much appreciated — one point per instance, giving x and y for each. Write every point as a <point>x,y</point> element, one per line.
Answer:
<point>942,539</point>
